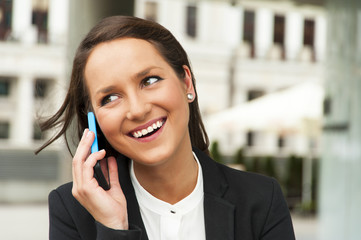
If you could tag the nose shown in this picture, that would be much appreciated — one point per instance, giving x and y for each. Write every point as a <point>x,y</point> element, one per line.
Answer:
<point>138,108</point>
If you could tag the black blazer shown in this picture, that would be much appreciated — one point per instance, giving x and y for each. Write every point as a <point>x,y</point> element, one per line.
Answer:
<point>237,205</point>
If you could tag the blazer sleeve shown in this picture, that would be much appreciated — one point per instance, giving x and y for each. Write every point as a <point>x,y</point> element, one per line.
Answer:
<point>278,224</point>
<point>66,222</point>
<point>61,224</point>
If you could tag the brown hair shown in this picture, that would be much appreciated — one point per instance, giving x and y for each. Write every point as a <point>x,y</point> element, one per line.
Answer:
<point>77,103</point>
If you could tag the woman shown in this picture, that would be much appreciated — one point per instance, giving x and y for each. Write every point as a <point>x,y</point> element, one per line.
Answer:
<point>136,78</point>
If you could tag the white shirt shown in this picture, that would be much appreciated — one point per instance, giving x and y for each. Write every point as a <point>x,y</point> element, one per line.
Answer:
<point>164,221</point>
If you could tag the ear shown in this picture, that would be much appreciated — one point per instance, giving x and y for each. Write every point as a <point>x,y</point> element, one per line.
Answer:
<point>189,82</point>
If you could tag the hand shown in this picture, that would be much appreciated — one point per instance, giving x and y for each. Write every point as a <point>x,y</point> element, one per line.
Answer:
<point>107,207</point>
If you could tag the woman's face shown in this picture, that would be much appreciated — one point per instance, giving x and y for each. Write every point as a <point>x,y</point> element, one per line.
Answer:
<point>140,104</point>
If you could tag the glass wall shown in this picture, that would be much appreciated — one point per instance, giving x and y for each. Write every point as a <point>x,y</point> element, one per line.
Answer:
<point>340,195</point>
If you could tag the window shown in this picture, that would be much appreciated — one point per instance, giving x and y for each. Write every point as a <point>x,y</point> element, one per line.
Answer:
<point>309,35</point>
<point>308,32</point>
<point>4,86</point>
<point>5,18</point>
<point>279,29</point>
<point>281,141</point>
<point>151,11</point>
<point>250,138</point>
<point>248,30</point>
<point>253,94</point>
<point>279,33</point>
<point>4,130</point>
<point>41,88</point>
<point>191,21</point>
<point>327,106</point>
<point>40,19</point>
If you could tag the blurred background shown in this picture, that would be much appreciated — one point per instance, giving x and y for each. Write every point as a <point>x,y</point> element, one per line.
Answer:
<point>279,84</point>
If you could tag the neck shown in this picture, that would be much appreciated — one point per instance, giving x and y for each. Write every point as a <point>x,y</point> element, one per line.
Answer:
<point>171,181</point>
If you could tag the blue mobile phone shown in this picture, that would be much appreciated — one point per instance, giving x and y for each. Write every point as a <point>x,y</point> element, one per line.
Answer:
<point>101,172</point>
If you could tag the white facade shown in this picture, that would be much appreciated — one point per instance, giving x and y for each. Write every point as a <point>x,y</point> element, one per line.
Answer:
<point>222,62</point>
<point>24,60</point>
<point>219,56</point>
<point>26,65</point>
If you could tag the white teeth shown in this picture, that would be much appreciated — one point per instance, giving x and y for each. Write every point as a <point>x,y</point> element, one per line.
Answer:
<point>154,126</point>
<point>150,129</point>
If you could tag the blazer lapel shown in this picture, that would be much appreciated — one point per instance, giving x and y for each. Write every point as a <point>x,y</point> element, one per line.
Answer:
<point>219,218</point>
<point>218,212</point>
<point>134,216</point>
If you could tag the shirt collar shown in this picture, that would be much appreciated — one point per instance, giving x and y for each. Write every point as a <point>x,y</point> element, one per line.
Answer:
<point>158,206</point>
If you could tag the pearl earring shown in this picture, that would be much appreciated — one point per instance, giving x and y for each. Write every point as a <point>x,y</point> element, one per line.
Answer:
<point>190,96</point>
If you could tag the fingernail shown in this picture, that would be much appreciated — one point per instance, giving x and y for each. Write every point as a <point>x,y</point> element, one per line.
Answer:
<point>88,134</point>
<point>83,133</point>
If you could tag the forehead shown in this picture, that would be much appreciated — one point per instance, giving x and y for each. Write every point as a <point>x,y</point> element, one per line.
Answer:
<point>121,57</point>
<point>124,49</point>
<point>120,61</point>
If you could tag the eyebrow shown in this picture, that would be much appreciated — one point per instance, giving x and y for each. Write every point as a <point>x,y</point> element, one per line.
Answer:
<point>145,72</point>
<point>105,90</point>
<point>138,75</point>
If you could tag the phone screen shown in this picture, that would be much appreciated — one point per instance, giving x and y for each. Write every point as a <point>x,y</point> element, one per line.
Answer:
<point>101,172</point>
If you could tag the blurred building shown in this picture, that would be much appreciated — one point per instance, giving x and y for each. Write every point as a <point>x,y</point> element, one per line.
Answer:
<point>33,42</point>
<point>242,51</point>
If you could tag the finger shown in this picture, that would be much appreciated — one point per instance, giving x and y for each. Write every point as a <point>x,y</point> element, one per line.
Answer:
<point>75,162</point>
<point>113,171</point>
<point>115,187</point>
<point>85,143</point>
<point>88,166</point>
<point>76,169</point>
<point>81,154</point>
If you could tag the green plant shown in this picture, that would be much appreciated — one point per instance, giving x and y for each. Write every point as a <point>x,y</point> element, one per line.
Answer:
<point>215,154</point>
<point>248,164</point>
<point>294,177</point>
<point>257,164</point>
<point>270,167</point>
<point>239,157</point>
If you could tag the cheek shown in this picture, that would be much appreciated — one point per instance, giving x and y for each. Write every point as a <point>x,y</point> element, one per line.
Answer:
<point>107,123</point>
<point>174,96</point>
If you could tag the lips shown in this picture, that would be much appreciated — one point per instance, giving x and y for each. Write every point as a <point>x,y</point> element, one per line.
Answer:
<point>148,129</point>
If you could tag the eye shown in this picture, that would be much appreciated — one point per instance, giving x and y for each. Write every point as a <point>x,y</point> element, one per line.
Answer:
<point>150,80</point>
<point>108,99</point>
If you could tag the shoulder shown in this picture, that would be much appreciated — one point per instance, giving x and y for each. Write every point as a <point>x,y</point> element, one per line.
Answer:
<point>67,215</point>
<point>235,185</point>
<point>63,196</point>
<point>248,181</point>
<point>62,199</point>
<point>259,198</point>
<point>233,178</point>
<point>63,190</point>
<point>250,188</point>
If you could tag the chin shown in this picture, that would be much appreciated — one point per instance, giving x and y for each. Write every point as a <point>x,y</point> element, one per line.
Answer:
<point>154,157</point>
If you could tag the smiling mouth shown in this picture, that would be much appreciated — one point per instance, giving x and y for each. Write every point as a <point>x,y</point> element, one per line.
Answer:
<point>148,131</point>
